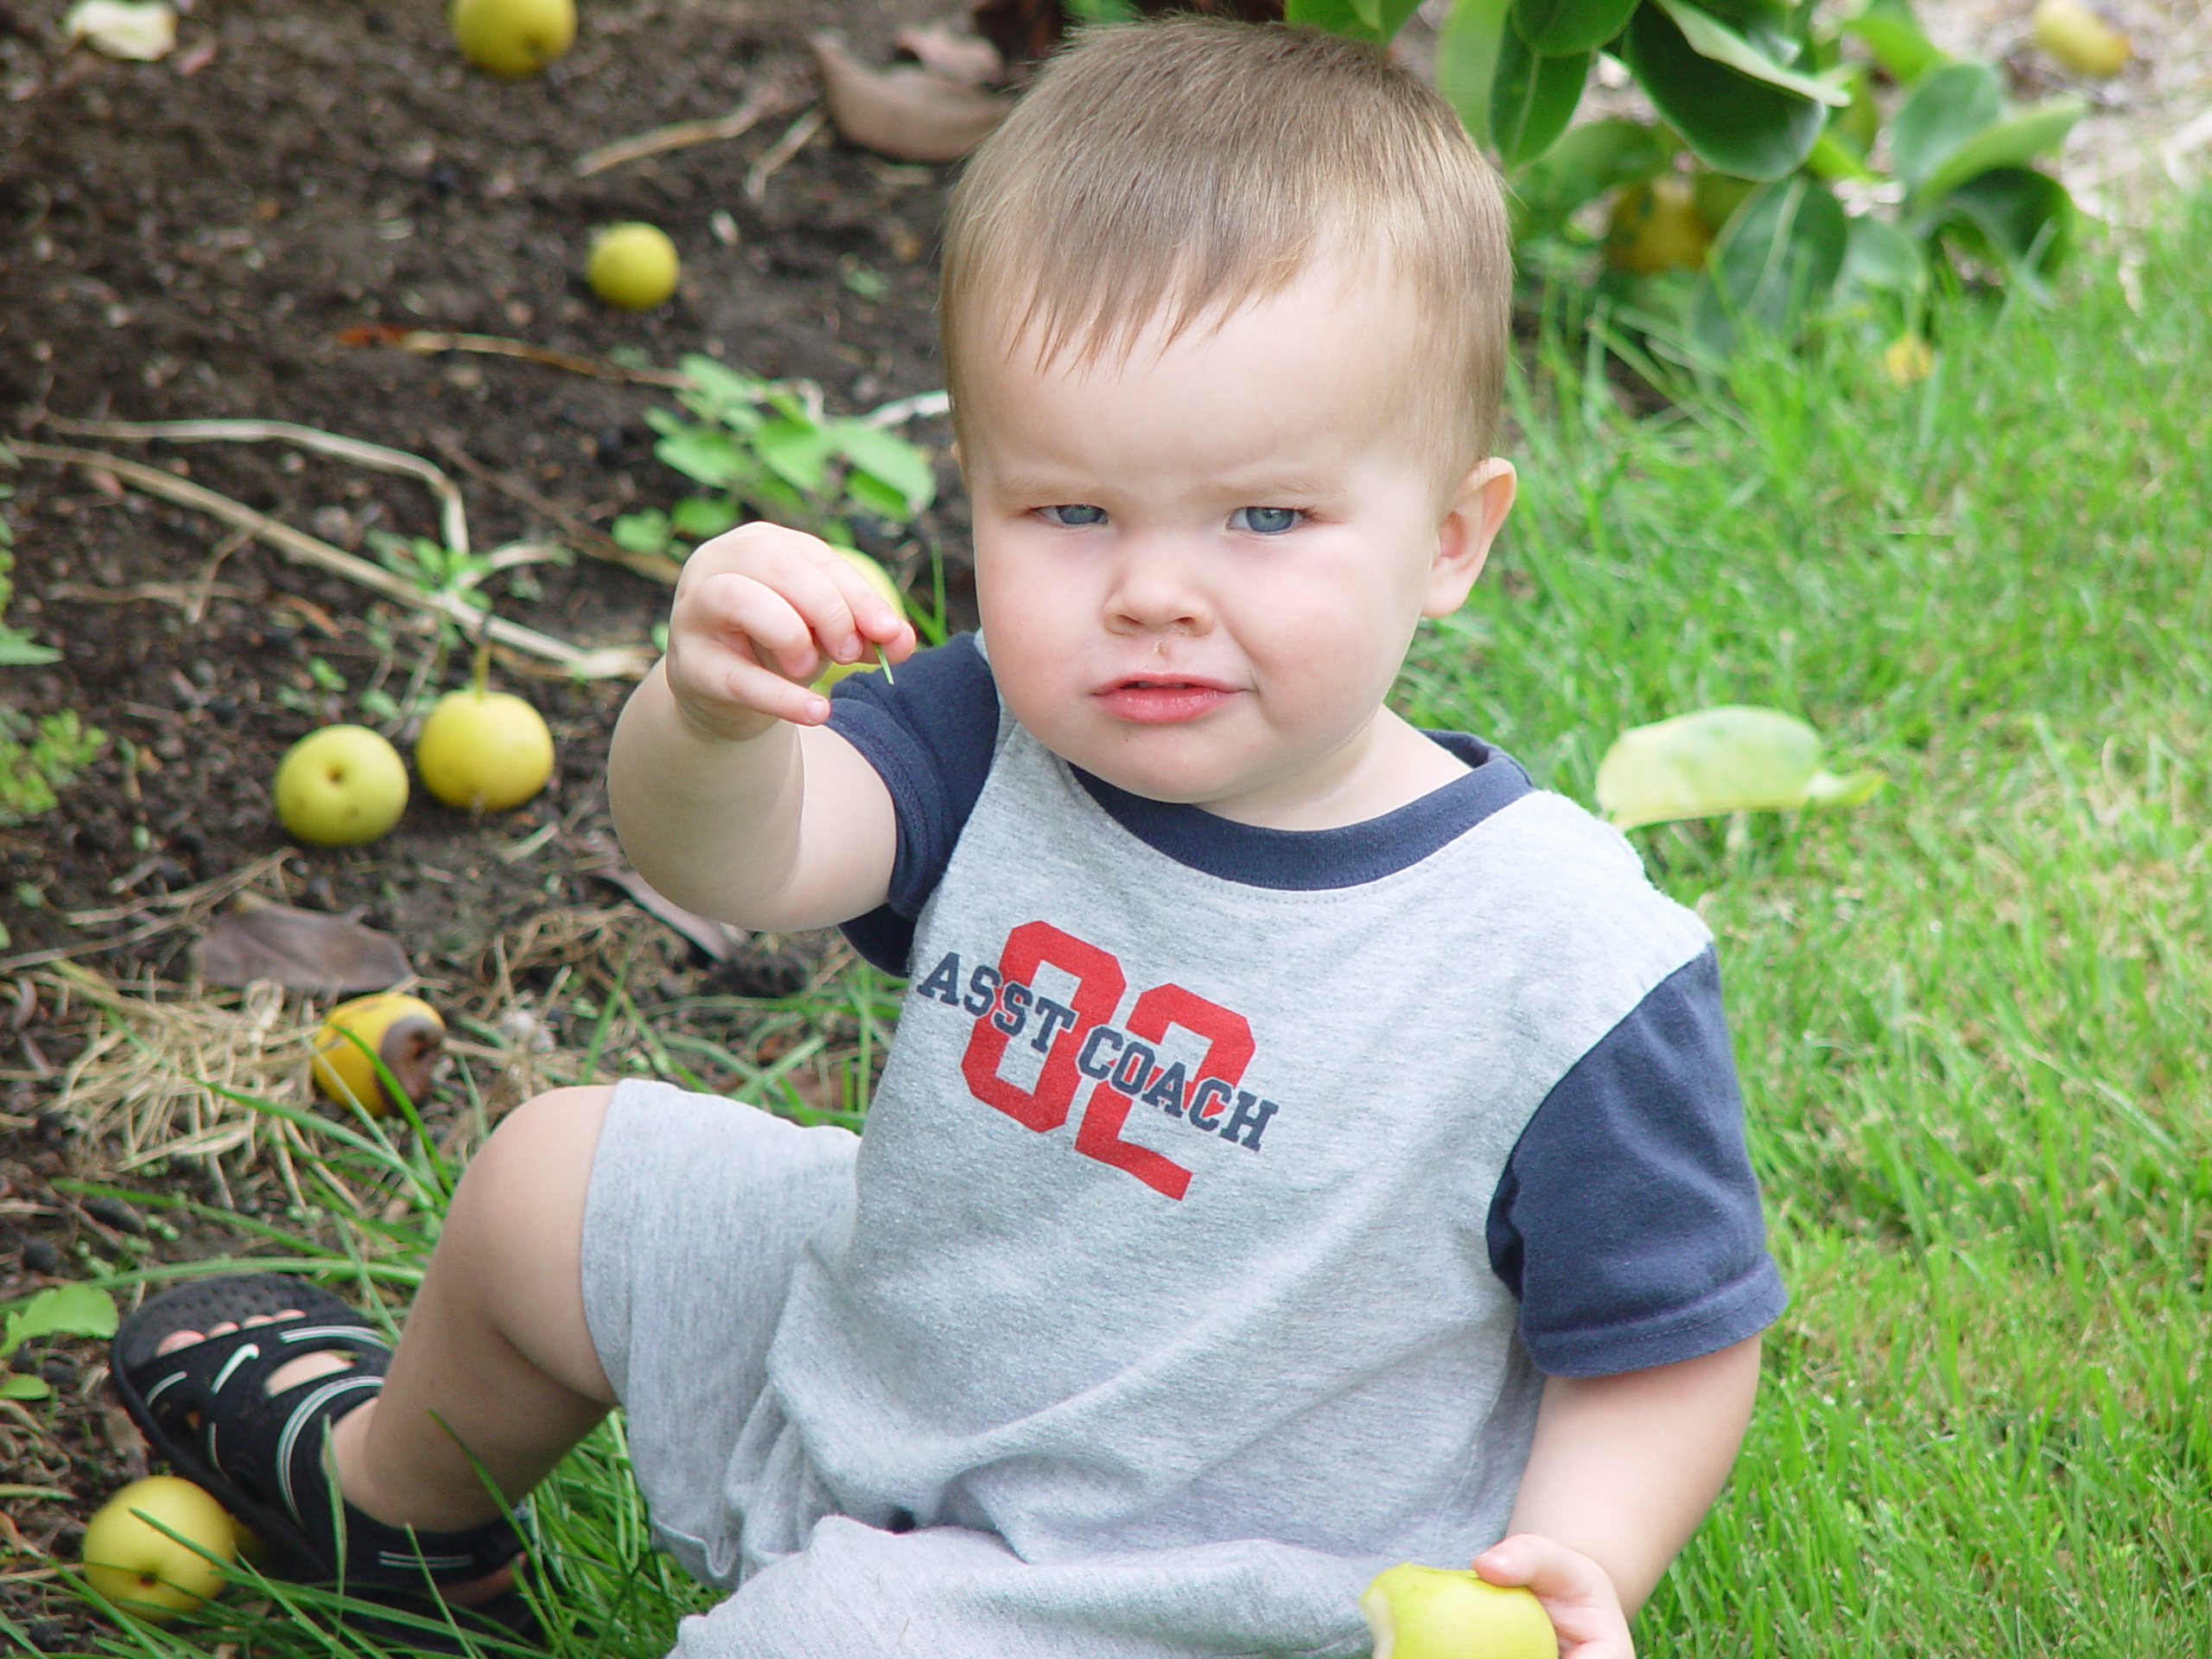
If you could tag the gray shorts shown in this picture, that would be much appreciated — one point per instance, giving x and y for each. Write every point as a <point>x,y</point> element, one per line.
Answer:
<point>698,1208</point>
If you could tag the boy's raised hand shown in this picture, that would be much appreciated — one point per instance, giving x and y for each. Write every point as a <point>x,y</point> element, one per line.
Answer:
<point>1578,1594</point>
<point>757,613</point>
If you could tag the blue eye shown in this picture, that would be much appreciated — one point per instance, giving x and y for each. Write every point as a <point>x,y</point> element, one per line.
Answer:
<point>1076,516</point>
<point>1265,521</point>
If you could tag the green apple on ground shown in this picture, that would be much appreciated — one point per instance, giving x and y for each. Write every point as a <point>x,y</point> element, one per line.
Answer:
<point>138,1566</point>
<point>340,785</point>
<point>633,266</point>
<point>1434,1612</point>
<point>880,578</point>
<point>513,37</point>
<point>1656,225</point>
<point>404,1031</point>
<point>484,751</point>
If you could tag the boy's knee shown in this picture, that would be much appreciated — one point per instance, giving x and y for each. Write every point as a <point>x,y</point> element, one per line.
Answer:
<point>529,1178</point>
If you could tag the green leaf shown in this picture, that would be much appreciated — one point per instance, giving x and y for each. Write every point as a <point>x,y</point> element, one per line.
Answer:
<point>1710,38</point>
<point>1780,254</point>
<point>1559,28</point>
<point>1878,255</point>
<point>1735,123</point>
<point>702,516</point>
<point>2015,139</point>
<point>1949,106</point>
<point>1466,59</point>
<point>19,650</point>
<point>700,453</point>
<point>641,532</point>
<point>1590,160</point>
<point>872,494</point>
<point>1377,21</point>
<point>1730,758</point>
<point>1532,98</point>
<point>1831,159</point>
<point>24,1387</point>
<point>62,1311</point>
<point>1889,32</point>
<point>2021,217</point>
<point>891,460</point>
<point>796,451</point>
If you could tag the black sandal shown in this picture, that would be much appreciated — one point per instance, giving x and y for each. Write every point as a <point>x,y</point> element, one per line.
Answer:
<point>206,1408</point>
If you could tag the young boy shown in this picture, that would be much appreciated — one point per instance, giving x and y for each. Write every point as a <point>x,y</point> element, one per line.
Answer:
<point>1306,1146</point>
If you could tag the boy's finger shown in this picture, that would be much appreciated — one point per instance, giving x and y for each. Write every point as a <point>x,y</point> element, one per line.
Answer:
<point>763,690</point>
<point>779,634</point>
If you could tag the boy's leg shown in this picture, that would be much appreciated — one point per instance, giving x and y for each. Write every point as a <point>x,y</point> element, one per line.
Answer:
<point>495,1346</point>
<point>494,1356</point>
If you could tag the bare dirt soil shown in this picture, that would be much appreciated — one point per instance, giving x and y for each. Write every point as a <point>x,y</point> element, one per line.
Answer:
<point>202,236</point>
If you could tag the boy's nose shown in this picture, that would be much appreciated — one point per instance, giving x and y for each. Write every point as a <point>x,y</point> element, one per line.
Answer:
<point>1152,592</point>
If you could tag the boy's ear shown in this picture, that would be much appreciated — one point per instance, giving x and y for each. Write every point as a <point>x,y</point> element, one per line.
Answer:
<point>1470,522</point>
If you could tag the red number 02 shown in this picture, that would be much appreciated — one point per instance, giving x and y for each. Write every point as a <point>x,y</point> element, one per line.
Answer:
<point>1228,1050</point>
<point>1099,993</point>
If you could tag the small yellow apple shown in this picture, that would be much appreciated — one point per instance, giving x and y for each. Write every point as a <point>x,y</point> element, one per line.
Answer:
<point>1907,359</point>
<point>340,785</point>
<point>1434,1612</point>
<point>404,1031</point>
<point>2079,39</point>
<point>137,1566</point>
<point>633,266</point>
<point>484,751</point>
<point>513,37</point>
<point>1655,226</point>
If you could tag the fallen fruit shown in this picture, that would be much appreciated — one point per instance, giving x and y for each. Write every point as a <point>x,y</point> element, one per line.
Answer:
<point>340,785</point>
<point>404,1032</point>
<point>1655,226</point>
<point>484,751</point>
<point>513,37</point>
<point>2078,39</point>
<point>1434,1612</point>
<point>633,266</point>
<point>1907,359</point>
<point>136,1565</point>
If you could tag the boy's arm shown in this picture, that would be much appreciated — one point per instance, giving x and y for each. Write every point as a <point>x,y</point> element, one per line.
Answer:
<point>729,793</point>
<point>1622,1470</point>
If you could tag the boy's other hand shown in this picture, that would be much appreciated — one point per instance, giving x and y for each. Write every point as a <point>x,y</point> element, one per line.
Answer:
<point>758,614</point>
<point>1578,1594</point>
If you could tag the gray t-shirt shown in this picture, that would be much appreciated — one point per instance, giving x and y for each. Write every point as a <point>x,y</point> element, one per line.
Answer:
<point>1226,1188</point>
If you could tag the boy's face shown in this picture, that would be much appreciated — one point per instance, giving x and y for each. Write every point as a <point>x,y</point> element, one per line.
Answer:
<point>1198,568</point>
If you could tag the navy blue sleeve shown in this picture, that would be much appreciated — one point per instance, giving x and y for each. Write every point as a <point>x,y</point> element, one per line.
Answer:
<point>930,738</point>
<point>1627,1220</point>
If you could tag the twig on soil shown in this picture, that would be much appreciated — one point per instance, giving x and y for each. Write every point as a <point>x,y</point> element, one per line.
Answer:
<point>772,99</point>
<point>430,342</point>
<point>607,662</point>
<point>772,159</point>
<point>658,567</point>
<point>452,515</point>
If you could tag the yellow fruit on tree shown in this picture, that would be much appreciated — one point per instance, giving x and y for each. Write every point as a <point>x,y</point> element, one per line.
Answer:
<point>484,751</point>
<point>1436,1612</point>
<point>404,1032</point>
<point>340,785</point>
<point>137,1565</point>
<point>513,37</point>
<point>1655,226</point>
<point>633,266</point>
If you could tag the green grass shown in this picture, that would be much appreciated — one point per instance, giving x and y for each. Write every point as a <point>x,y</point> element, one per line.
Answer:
<point>1971,1014</point>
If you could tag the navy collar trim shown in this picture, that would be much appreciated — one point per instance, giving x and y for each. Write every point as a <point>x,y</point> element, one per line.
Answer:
<point>1313,861</point>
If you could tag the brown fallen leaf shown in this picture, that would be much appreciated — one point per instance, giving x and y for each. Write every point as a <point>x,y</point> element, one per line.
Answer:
<point>300,950</point>
<point>968,59</point>
<point>908,114</point>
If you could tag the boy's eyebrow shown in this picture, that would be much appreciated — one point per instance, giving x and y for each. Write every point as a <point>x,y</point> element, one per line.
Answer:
<point>1259,486</point>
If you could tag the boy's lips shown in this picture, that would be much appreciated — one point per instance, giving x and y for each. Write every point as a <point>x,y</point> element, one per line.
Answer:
<point>1163,699</point>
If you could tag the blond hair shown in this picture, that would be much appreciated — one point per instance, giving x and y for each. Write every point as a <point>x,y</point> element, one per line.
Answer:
<point>1177,170</point>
